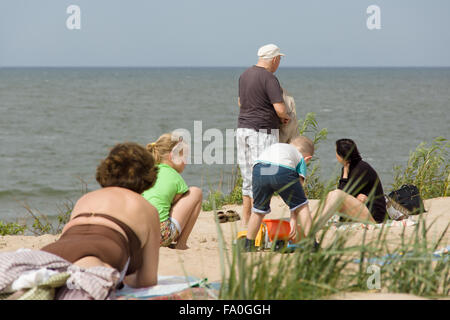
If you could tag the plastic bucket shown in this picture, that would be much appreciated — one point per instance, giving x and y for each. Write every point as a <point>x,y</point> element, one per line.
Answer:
<point>277,229</point>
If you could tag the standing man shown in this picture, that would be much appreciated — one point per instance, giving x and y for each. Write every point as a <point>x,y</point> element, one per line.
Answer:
<point>262,110</point>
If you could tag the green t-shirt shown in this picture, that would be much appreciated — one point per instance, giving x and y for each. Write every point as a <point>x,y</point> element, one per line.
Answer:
<point>168,184</point>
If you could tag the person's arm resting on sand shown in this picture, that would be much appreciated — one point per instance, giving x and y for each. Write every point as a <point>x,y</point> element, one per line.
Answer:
<point>147,274</point>
<point>280,109</point>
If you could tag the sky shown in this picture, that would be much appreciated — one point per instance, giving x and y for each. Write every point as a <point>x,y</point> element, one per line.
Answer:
<point>312,33</point>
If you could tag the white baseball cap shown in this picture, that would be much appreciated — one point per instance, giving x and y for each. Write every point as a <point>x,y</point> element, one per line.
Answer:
<point>269,51</point>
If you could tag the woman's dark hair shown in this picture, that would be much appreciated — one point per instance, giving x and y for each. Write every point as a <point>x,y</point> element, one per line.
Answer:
<point>346,148</point>
<point>128,165</point>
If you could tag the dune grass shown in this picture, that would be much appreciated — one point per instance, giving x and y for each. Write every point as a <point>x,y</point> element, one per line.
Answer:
<point>11,228</point>
<point>428,168</point>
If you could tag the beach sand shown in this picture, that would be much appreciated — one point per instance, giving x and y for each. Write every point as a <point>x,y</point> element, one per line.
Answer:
<point>202,259</point>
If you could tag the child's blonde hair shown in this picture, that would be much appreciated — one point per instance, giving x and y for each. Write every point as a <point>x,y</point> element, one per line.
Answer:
<point>161,148</point>
<point>304,145</point>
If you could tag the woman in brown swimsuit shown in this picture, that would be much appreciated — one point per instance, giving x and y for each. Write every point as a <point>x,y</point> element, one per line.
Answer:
<point>115,226</point>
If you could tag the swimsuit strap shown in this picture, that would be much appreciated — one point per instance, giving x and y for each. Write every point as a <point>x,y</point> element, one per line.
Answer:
<point>133,240</point>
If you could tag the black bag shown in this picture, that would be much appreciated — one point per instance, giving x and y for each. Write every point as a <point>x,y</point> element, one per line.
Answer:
<point>408,196</point>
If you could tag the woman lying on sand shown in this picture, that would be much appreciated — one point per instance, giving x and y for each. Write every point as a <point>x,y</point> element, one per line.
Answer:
<point>359,194</point>
<point>113,227</point>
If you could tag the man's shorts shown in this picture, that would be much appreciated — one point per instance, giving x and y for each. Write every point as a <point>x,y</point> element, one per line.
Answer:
<point>250,143</point>
<point>284,181</point>
<point>170,231</point>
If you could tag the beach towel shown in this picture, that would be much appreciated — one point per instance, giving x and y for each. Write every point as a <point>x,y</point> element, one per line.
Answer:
<point>38,273</point>
<point>172,288</point>
<point>291,129</point>
<point>360,226</point>
<point>44,290</point>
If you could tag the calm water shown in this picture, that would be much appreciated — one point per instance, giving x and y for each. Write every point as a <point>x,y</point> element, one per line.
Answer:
<point>57,124</point>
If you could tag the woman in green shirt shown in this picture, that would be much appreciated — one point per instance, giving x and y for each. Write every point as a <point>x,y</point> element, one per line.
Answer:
<point>178,205</point>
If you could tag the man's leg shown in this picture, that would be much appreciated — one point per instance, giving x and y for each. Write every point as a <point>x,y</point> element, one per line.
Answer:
<point>247,204</point>
<point>245,162</point>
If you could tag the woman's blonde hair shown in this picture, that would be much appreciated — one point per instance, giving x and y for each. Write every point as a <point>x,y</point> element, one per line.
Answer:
<point>161,148</point>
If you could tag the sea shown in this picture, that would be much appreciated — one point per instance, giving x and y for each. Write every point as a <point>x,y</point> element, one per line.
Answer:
<point>57,124</point>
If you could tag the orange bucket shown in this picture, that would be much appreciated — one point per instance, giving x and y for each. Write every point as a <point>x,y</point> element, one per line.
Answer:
<point>278,229</point>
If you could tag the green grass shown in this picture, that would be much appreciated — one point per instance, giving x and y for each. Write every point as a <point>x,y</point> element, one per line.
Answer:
<point>11,228</point>
<point>428,168</point>
<point>41,224</point>
<point>217,198</point>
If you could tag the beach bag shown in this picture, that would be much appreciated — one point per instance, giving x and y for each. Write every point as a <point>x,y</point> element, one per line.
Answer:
<point>290,129</point>
<point>404,202</point>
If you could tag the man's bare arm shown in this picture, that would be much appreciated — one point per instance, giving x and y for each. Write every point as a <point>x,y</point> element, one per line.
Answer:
<point>281,110</point>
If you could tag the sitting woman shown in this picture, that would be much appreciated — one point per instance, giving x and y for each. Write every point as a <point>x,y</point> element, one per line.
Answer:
<point>360,194</point>
<point>178,205</point>
<point>114,226</point>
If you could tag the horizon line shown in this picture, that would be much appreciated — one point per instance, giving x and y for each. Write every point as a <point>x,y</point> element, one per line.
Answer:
<point>211,66</point>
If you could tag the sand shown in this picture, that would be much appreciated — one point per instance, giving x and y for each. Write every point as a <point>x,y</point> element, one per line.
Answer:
<point>202,259</point>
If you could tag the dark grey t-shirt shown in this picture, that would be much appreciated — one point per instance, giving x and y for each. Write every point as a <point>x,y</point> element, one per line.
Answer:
<point>259,89</point>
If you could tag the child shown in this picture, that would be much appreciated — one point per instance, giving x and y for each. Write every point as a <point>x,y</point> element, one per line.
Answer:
<point>177,204</point>
<point>281,168</point>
